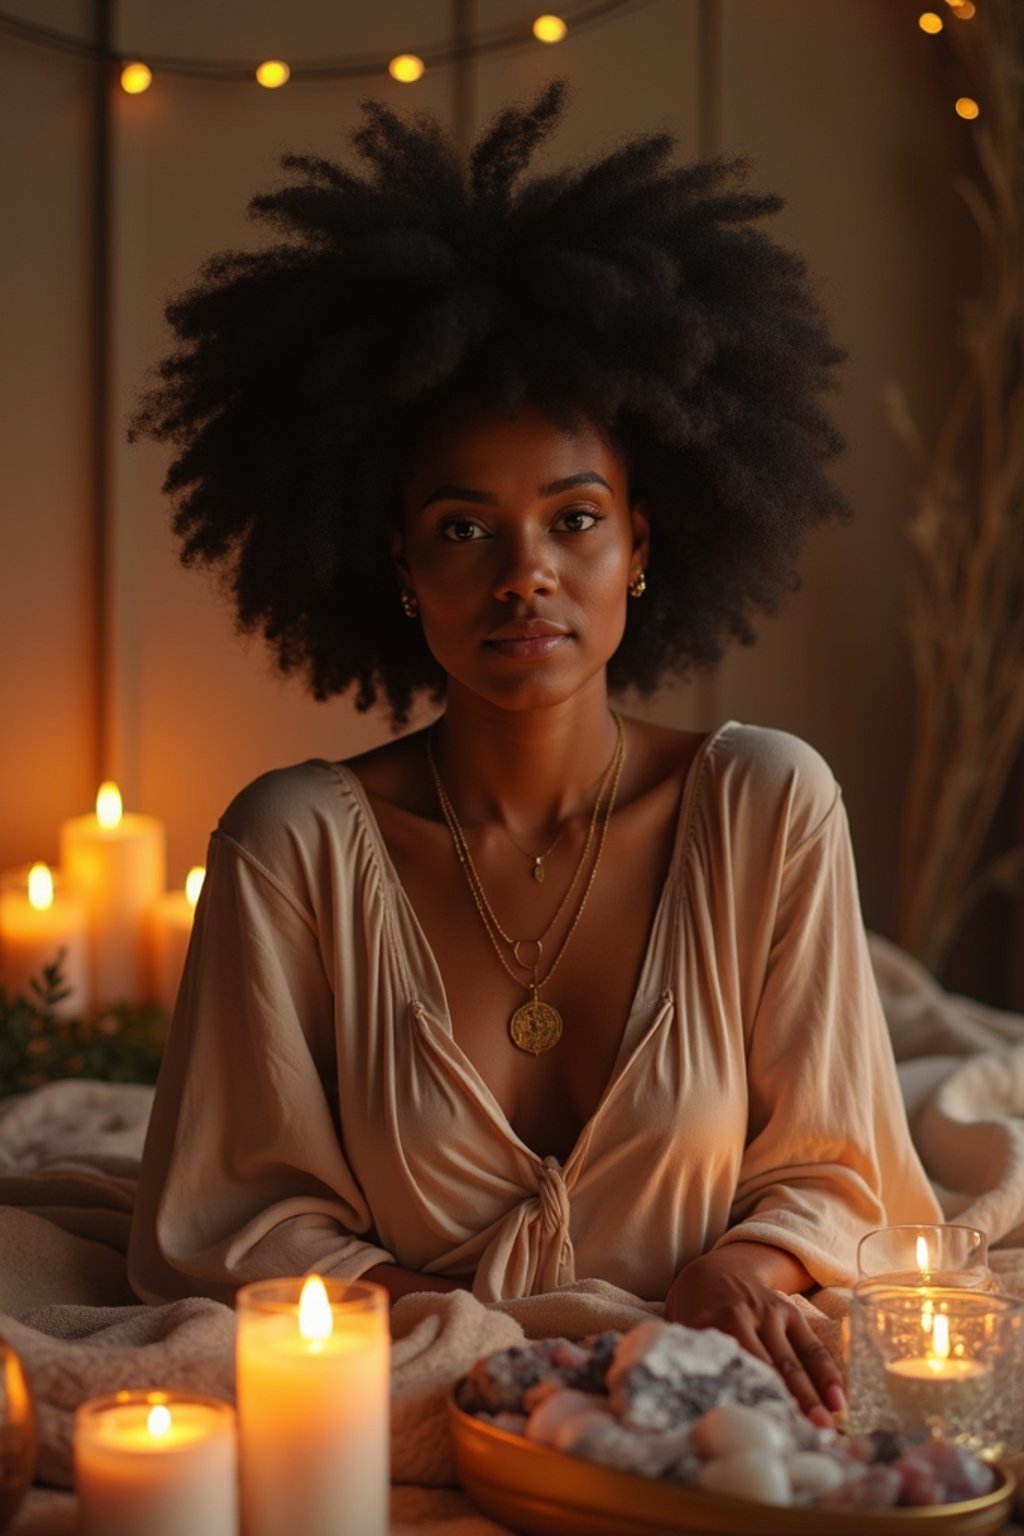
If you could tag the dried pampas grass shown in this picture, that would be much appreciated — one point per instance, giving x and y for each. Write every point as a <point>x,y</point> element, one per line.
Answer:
<point>966,598</point>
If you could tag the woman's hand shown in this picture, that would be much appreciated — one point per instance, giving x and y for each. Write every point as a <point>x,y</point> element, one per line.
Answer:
<point>736,1288</point>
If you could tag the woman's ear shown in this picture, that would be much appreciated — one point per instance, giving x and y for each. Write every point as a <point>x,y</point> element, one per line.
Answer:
<point>641,537</point>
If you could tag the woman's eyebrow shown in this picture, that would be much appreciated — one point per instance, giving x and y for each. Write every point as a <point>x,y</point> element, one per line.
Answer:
<point>485,499</point>
<point>585,477</point>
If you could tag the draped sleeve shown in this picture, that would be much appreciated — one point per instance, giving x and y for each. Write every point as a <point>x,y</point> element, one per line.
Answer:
<point>244,1174</point>
<point>828,1153</point>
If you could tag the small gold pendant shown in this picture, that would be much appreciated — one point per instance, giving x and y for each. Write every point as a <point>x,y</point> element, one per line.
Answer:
<point>538,869</point>
<point>536,1027</point>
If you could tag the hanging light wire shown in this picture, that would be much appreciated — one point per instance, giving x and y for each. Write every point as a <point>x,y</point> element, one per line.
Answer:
<point>506,39</point>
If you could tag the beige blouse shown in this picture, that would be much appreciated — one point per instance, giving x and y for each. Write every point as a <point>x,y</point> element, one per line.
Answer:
<point>314,1111</point>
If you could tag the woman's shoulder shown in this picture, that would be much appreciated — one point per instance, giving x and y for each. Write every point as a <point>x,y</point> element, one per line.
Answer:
<point>285,807</point>
<point>761,774</point>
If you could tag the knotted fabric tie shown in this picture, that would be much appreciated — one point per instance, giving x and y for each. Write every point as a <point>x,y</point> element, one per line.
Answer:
<point>531,1250</point>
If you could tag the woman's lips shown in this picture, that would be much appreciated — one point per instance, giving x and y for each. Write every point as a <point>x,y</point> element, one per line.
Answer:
<point>527,640</point>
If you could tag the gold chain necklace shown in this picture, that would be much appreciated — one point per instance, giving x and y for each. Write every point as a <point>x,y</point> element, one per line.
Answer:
<point>535,1026</point>
<point>536,859</point>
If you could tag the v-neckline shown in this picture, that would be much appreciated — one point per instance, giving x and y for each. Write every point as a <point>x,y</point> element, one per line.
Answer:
<point>435,1008</point>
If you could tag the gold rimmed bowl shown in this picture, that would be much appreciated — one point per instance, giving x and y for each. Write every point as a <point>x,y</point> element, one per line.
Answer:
<point>544,1492</point>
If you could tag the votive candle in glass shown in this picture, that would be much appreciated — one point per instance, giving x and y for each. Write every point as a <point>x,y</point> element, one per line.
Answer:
<point>945,1362</point>
<point>156,1464</point>
<point>314,1382</point>
<point>941,1255</point>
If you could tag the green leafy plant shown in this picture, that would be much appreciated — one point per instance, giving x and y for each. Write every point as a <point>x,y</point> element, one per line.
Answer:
<point>123,1044</point>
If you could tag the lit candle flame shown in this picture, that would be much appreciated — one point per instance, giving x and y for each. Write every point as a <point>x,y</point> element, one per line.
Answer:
<point>40,887</point>
<point>159,1419</point>
<point>940,1336</point>
<point>194,883</point>
<point>109,806</point>
<point>316,1321</point>
<point>923,1259</point>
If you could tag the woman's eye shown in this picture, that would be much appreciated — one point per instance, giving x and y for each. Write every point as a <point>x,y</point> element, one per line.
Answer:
<point>462,530</point>
<point>577,520</point>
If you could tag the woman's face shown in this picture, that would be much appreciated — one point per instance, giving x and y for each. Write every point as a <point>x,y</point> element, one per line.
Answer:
<point>519,542</point>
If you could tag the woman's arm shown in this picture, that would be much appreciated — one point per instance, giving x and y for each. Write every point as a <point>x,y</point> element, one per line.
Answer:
<point>244,1175</point>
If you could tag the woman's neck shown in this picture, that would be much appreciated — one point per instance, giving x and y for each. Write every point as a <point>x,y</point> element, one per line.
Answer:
<point>525,770</point>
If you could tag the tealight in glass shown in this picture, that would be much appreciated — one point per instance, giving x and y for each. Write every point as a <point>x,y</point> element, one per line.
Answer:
<point>945,1256</point>
<point>941,1362</point>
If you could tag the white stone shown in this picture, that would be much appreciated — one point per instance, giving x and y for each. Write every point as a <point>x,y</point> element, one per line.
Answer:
<point>752,1474</point>
<point>813,1472</point>
<point>544,1421</point>
<point>735,1427</point>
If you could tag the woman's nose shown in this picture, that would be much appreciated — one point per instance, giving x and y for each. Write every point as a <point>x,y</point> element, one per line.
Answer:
<point>525,568</point>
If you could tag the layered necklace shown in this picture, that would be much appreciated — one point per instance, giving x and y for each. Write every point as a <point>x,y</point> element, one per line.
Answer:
<point>536,1026</point>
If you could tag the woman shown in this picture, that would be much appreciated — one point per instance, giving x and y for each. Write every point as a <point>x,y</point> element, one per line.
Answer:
<point>540,992</point>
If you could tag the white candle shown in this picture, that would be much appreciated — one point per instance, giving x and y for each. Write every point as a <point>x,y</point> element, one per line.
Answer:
<point>40,922</point>
<point>313,1376</point>
<point>172,929</point>
<point>117,863</point>
<point>935,1384</point>
<point>156,1464</point>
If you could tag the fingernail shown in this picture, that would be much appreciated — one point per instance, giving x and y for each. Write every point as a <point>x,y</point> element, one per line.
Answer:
<point>835,1397</point>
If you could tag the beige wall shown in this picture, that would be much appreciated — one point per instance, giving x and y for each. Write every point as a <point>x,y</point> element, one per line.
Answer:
<point>839,106</point>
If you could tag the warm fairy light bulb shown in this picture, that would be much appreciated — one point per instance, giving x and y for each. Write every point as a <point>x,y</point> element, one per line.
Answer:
<point>928,21</point>
<point>967,107</point>
<point>194,883</point>
<point>158,1421</point>
<point>316,1321</point>
<point>109,806</point>
<point>965,10</point>
<point>549,29</point>
<point>40,887</point>
<point>921,1249</point>
<point>272,73</point>
<point>136,78</point>
<point>406,67</point>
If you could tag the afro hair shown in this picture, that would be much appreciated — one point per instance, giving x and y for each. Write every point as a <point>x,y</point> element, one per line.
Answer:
<point>637,294</point>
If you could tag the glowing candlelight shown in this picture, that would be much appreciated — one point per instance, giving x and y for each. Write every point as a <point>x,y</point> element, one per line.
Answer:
<point>313,1404</point>
<point>39,923</point>
<point>939,1381</point>
<point>152,1464</point>
<point>116,862</point>
<point>172,920</point>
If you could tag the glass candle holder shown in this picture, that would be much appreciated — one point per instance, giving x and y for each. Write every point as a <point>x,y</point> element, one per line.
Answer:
<point>314,1385</point>
<point>941,1362</point>
<point>944,1256</point>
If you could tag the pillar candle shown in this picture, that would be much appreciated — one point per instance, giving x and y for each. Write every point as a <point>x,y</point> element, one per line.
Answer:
<point>172,929</point>
<point>313,1373</point>
<point>156,1464</point>
<point>117,864</point>
<point>40,921</point>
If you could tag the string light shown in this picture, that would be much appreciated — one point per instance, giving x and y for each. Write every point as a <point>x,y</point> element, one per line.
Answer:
<point>406,67</point>
<point>136,77</point>
<point>272,73</point>
<point>507,37</point>
<point>549,29</point>
<point>967,108</point>
<point>930,22</point>
<point>965,10</point>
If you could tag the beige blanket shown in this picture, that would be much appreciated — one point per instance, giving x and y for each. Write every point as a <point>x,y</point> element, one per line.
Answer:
<point>68,1157</point>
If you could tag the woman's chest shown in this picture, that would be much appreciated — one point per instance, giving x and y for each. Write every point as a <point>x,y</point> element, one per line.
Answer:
<point>580,956</point>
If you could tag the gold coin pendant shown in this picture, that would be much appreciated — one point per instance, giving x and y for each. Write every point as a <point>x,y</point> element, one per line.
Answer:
<point>536,1027</point>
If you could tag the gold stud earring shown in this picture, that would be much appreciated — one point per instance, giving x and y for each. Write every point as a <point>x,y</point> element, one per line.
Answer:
<point>410,607</point>
<point>638,586</point>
